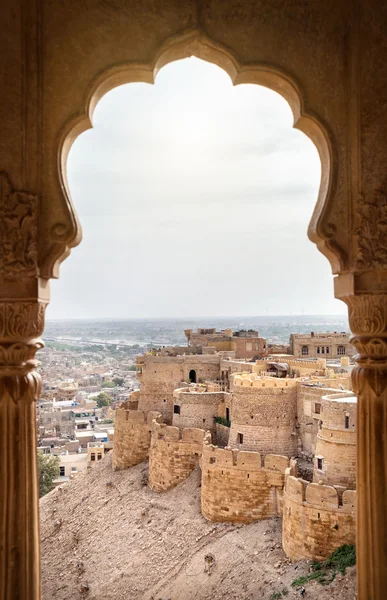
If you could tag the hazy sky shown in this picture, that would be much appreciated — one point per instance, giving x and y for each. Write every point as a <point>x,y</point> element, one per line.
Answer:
<point>194,198</point>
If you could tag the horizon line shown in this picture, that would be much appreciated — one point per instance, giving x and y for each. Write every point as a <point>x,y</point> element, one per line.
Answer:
<point>152,318</point>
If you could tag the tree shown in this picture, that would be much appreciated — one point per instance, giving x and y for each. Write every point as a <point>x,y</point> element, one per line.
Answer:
<point>103,399</point>
<point>48,470</point>
<point>108,384</point>
<point>118,381</point>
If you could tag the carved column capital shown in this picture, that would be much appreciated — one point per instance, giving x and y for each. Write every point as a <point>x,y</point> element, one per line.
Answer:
<point>368,323</point>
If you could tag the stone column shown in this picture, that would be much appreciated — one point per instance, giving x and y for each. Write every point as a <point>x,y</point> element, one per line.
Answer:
<point>20,325</point>
<point>368,323</point>
<point>23,299</point>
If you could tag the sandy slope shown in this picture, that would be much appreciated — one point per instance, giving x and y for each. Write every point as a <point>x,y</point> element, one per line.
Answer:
<point>107,536</point>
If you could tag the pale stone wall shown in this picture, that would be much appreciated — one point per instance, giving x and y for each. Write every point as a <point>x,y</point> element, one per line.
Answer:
<point>131,437</point>
<point>221,435</point>
<point>336,443</point>
<point>315,520</point>
<point>263,411</point>
<point>197,408</point>
<point>237,488</point>
<point>173,455</point>
<point>161,375</point>
<point>315,342</point>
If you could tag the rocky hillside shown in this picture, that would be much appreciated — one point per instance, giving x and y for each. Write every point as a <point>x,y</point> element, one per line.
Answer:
<point>107,536</point>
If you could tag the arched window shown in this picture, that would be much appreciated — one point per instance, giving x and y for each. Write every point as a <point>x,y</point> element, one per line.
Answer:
<point>192,376</point>
<point>305,350</point>
<point>340,350</point>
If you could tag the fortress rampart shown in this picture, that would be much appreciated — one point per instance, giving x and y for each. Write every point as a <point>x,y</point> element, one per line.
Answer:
<point>195,407</point>
<point>309,399</point>
<point>237,487</point>
<point>131,436</point>
<point>263,415</point>
<point>335,455</point>
<point>173,455</point>
<point>317,519</point>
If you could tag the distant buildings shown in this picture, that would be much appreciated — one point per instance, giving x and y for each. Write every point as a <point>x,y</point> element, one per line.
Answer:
<point>320,345</point>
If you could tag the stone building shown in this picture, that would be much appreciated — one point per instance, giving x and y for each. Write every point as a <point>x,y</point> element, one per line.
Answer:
<point>335,453</point>
<point>262,423</point>
<point>263,414</point>
<point>321,345</point>
<point>160,375</point>
<point>245,343</point>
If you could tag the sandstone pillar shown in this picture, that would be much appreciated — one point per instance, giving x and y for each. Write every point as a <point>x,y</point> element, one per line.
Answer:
<point>368,323</point>
<point>23,298</point>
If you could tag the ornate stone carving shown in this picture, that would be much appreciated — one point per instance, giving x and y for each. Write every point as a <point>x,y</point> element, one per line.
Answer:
<point>18,231</point>
<point>21,319</point>
<point>367,313</point>
<point>26,387</point>
<point>371,233</point>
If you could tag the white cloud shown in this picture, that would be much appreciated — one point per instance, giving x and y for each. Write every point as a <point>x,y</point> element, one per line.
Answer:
<point>194,197</point>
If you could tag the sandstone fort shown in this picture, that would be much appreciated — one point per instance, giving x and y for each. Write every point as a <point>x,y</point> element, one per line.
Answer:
<point>274,434</point>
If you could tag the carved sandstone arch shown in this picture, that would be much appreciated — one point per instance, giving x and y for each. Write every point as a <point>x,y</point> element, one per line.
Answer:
<point>194,43</point>
<point>319,56</point>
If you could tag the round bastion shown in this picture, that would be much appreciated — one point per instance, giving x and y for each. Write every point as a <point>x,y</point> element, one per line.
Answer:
<point>194,406</point>
<point>263,414</point>
<point>335,455</point>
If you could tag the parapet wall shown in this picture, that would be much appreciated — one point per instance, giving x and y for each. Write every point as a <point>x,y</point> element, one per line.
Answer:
<point>131,436</point>
<point>196,408</point>
<point>173,455</point>
<point>335,460</point>
<point>317,519</point>
<point>263,415</point>
<point>238,487</point>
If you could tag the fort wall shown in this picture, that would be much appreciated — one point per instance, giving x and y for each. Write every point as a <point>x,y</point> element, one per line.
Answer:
<point>263,415</point>
<point>335,456</point>
<point>161,375</point>
<point>237,487</point>
<point>222,434</point>
<point>173,455</point>
<point>317,519</point>
<point>131,436</point>
<point>195,407</point>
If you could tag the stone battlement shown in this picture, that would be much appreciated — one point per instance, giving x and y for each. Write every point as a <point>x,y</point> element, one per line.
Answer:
<point>132,436</point>
<point>238,486</point>
<point>251,380</point>
<point>136,416</point>
<point>321,496</point>
<point>173,455</point>
<point>317,518</point>
<point>247,461</point>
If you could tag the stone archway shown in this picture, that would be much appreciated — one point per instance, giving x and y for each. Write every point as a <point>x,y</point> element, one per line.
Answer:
<point>329,62</point>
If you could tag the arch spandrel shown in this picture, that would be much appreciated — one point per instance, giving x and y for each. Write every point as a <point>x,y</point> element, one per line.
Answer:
<point>325,230</point>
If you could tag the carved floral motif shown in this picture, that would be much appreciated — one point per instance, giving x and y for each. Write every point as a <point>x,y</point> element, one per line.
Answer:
<point>372,231</point>
<point>24,387</point>
<point>18,231</point>
<point>21,319</point>
<point>368,313</point>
